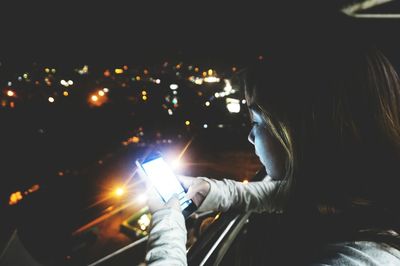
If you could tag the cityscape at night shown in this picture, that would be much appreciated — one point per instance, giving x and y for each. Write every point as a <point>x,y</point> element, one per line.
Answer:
<point>88,92</point>
<point>85,126</point>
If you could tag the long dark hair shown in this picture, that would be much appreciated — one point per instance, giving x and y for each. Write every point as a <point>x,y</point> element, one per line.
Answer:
<point>333,102</point>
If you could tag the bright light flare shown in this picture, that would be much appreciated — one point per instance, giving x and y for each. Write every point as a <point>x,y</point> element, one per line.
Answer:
<point>119,191</point>
<point>51,99</point>
<point>176,164</point>
<point>141,198</point>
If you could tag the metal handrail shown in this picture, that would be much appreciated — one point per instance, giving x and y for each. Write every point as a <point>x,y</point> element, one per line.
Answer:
<point>119,251</point>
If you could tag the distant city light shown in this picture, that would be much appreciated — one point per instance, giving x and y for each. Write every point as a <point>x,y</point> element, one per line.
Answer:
<point>33,188</point>
<point>65,93</point>
<point>196,80</point>
<point>10,93</point>
<point>70,82</point>
<point>101,93</point>
<point>187,122</point>
<point>15,198</point>
<point>107,73</point>
<point>216,95</point>
<point>9,84</point>
<point>158,81</point>
<point>245,181</point>
<point>207,103</point>
<point>64,83</point>
<point>135,139</point>
<point>170,112</point>
<point>144,221</point>
<point>51,99</point>
<point>173,86</point>
<point>211,79</point>
<point>47,70</point>
<point>119,71</point>
<point>144,97</point>
<point>94,98</point>
<point>210,72</point>
<point>243,101</point>
<point>233,105</point>
<point>144,92</point>
<point>106,90</point>
<point>205,126</point>
<point>84,70</point>
<point>228,86</point>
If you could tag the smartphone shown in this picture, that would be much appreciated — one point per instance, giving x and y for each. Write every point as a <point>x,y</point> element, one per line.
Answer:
<point>161,176</point>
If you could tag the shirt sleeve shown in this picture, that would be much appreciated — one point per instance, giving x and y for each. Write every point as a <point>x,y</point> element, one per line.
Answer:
<point>167,239</point>
<point>226,194</point>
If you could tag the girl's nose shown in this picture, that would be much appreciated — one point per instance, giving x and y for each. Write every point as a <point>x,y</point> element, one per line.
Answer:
<point>251,137</point>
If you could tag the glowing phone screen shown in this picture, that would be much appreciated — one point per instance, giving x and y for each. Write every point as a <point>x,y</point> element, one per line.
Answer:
<point>165,181</point>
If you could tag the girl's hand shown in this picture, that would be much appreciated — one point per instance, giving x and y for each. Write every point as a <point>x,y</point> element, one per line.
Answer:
<point>155,202</point>
<point>197,188</point>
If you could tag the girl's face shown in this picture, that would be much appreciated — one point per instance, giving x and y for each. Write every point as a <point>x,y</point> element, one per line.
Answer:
<point>267,147</point>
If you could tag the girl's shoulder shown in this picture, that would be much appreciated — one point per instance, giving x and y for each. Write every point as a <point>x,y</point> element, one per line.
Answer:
<point>358,253</point>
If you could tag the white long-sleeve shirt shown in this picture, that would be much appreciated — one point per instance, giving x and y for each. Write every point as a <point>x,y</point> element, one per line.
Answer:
<point>167,238</point>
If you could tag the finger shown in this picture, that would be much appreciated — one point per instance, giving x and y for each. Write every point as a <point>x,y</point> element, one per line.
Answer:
<point>190,193</point>
<point>186,181</point>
